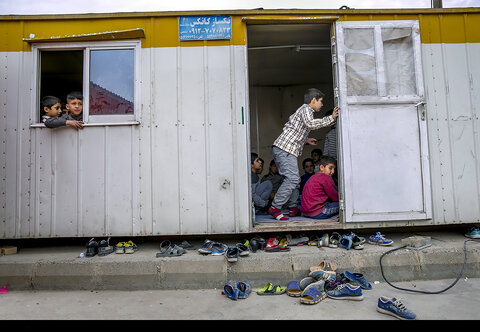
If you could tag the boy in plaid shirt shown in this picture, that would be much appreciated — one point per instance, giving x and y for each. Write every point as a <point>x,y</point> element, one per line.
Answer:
<point>289,146</point>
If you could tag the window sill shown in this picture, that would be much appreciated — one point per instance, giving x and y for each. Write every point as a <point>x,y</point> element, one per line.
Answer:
<point>102,124</point>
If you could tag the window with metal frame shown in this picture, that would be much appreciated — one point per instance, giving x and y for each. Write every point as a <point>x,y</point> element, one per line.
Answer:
<point>106,73</point>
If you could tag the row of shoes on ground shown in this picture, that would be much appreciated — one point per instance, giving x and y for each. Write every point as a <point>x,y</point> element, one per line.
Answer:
<point>323,281</point>
<point>312,291</point>
<point>231,253</point>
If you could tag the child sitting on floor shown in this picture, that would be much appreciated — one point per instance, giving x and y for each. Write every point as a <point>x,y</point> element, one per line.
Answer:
<point>320,195</point>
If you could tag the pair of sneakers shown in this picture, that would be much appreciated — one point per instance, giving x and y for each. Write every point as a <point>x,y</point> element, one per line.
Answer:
<point>212,247</point>
<point>236,290</point>
<point>350,241</point>
<point>277,213</point>
<point>240,249</point>
<point>101,248</point>
<point>127,247</point>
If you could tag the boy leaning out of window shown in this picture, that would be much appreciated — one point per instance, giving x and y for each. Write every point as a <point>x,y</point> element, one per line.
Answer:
<point>52,109</point>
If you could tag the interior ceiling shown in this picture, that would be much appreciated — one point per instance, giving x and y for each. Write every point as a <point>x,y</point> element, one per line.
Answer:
<point>282,54</point>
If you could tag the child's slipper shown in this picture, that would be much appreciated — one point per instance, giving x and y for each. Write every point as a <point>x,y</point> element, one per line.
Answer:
<point>244,290</point>
<point>271,289</point>
<point>324,266</point>
<point>230,290</point>
<point>312,296</point>
<point>294,289</point>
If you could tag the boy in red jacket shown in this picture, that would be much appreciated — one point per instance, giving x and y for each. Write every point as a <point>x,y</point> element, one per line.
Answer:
<point>320,195</point>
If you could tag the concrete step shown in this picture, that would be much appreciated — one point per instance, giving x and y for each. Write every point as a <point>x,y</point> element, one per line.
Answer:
<point>60,268</point>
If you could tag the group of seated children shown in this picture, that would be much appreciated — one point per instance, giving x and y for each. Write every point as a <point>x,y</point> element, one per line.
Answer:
<point>318,190</point>
<point>53,115</point>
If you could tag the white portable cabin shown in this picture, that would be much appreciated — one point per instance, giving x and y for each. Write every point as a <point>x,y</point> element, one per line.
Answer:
<point>174,102</point>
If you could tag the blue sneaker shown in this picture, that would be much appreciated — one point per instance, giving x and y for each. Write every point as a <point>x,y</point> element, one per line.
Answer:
<point>346,241</point>
<point>219,249</point>
<point>473,233</point>
<point>395,308</point>
<point>346,292</point>
<point>379,239</point>
<point>358,279</point>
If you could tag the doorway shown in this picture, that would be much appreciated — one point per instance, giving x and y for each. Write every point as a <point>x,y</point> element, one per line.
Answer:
<point>283,61</point>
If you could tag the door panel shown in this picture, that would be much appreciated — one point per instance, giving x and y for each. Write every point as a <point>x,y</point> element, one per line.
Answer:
<point>382,128</point>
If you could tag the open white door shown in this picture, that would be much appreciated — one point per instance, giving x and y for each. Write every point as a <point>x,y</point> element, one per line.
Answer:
<point>383,147</point>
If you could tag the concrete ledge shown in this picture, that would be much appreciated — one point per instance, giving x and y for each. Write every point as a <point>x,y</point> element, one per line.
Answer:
<point>61,269</point>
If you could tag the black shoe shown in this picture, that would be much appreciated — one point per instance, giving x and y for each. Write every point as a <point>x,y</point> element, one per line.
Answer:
<point>104,247</point>
<point>232,254</point>
<point>92,248</point>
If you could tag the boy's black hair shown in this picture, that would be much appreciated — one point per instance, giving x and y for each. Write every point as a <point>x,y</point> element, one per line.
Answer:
<point>325,160</point>
<point>74,95</point>
<point>49,101</point>
<point>253,156</point>
<point>272,162</point>
<point>312,93</point>
<point>307,160</point>
<point>317,151</point>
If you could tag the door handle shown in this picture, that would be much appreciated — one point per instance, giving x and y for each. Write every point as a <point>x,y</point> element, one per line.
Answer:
<point>422,103</point>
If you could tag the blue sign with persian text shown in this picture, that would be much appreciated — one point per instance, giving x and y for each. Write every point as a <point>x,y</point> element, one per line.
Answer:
<point>204,27</point>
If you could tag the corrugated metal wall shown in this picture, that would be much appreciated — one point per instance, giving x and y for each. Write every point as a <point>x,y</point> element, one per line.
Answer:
<point>184,169</point>
<point>181,171</point>
<point>452,82</point>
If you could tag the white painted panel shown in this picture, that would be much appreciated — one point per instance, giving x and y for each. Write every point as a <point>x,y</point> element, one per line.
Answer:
<point>192,141</point>
<point>378,150</point>
<point>66,192</point>
<point>44,202</point>
<point>461,126</point>
<point>220,162</point>
<point>439,146</point>
<point>12,148</point>
<point>473,52</point>
<point>241,141</point>
<point>119,181</point>
<point>164,151</point>
<point>24,114</point>
<point>3,146</point>
<point>145,224</point>
<point>92,173</point>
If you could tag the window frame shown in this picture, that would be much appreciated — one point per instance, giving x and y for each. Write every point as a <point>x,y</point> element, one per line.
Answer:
<point>86,47</point>
<point>377,27</point>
